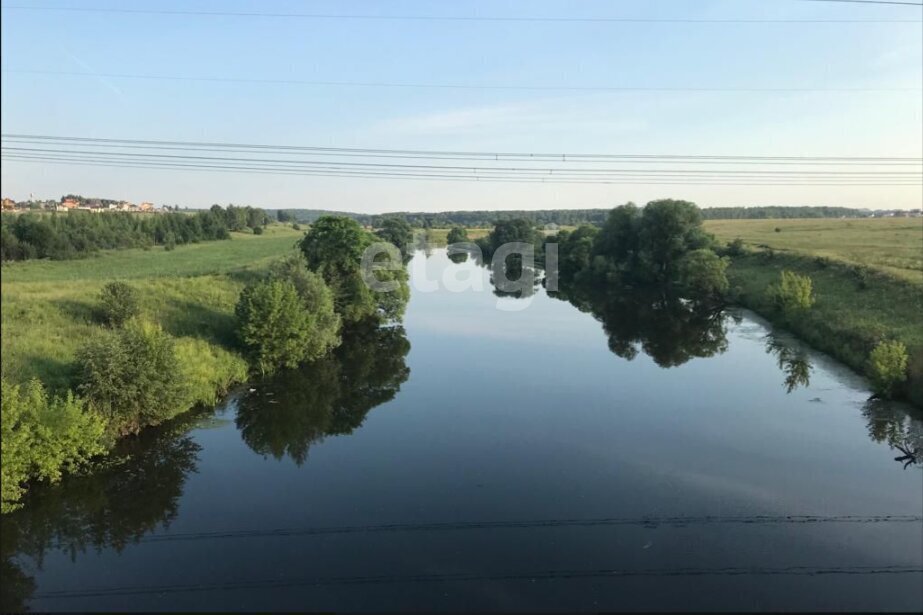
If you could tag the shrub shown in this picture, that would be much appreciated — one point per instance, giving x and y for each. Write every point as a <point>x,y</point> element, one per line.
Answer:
<point>736,247</point>
<point>457,234</point>
<point>277,326</point>
<point>118,303</point>
<point>132,376</point>
<point>43,437</point>
<point>778,230</point>
<point>207,371</point>
<point>296,226</point>
<point>702,274</point>
<point>257,230</point>
<point>887,367</point>
<point>792,292</point>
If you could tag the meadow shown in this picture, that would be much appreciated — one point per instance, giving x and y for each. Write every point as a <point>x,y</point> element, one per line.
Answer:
<point>890,245</point>
<point>49,307</point>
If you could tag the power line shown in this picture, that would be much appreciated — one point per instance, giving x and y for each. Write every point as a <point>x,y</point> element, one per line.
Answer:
<point>446,18</point>
<point>401,166</point>
<point>418,175</point>
<point>369,163</point>
<point>468,154</point>
<point>449,86</point>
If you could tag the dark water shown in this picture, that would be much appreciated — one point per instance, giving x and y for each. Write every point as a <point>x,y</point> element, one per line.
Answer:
<point>480,458</point>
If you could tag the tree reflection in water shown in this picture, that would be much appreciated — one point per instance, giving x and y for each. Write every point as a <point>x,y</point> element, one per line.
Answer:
<point>793,361</point>
<point>136,491</point>
<point>899,426</point>
<point>668,329</point>
<point>292,410</point>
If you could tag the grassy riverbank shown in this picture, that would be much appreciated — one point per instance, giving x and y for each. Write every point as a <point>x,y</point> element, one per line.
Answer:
<point>48,306</point>
<point>866,277</point>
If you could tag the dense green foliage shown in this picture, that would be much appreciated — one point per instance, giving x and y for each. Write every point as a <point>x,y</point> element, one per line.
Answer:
<point>118,303</point>
<point>43,437</point>
<point>514,230</point>
<point>457,234</point>
<point>283,325</point>
<point>398,232</point>
<point>334,249</point>
<point>661,246</point>
<point>131,376</point>
<point>702,273</point>
<point>567,217</point>
<point>887,367</point>
<point>792,293</point>
<point>74,234</point>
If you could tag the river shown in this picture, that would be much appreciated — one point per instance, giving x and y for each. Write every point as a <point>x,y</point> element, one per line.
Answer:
<point>505,454</point>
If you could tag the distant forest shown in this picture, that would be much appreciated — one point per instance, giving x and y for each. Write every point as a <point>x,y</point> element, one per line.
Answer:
<point>78,233</point>
<point>562,217</point>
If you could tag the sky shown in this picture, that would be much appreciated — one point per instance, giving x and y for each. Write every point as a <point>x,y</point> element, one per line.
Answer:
<point>875,68</point>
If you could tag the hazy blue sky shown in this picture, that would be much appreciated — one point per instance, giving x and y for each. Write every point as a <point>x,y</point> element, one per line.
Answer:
<point>693,55</point>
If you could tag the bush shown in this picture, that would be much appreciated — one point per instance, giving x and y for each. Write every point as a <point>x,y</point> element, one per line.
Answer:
<point>736,247</point>
<point>118,303</point>
<point>43,437</point>
<point>207,371</point>
<point>702,274</point>
<point>132,376</point>
<point>257,230</point>
<point>278,326</point>
<point>296,226</point>
<point>457,234</point>
<point>792,292</point>
<point>887,367</point>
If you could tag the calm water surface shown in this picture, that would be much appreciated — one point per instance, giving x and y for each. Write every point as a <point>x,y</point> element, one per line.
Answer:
<point>484,458</point>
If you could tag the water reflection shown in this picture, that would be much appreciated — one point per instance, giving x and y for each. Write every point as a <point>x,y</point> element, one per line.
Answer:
<point>137,491</point>
<point>292,410</point>
<point>669,330</point>
<point>792,360</point>
<point>900,427</point>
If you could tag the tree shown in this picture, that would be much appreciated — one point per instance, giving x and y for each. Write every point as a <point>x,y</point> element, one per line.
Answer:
<point>668,230</point>
<point>130,376</point>
<point>792,293</point>
<point>118,303</point>
<point>702,274</point>
<point>398,232</point>
<point>887,367</point>
<point>457,234</point>
<point>42,437</point>
<point>284,216</point>
<point>316,298</point>
<point>278,329</point>
<point>575,251</point>
<point>334,249</point>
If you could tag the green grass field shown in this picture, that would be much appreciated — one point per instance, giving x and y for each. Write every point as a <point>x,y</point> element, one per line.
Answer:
<point>891,245</point>
<point>48,306</point>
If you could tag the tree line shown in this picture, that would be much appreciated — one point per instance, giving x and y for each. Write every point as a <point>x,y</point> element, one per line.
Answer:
<point>560,217</point>
<point>77,234</point>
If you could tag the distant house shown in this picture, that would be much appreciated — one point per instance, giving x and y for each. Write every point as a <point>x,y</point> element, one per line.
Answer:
<point>146,206</point>
<point>9,204</point>
<point>69,204</point>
